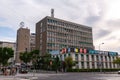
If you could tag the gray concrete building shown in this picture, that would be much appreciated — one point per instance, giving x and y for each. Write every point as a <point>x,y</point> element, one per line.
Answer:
<point>53,34</point>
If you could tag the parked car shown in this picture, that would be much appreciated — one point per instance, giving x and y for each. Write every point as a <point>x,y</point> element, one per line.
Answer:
<point>23,70</point>
<point>118,72</point>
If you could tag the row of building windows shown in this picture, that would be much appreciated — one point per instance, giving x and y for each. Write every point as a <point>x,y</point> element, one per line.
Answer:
<point>74,36</point>
<point>91,57</point>
<point>97,65</point>
<point>64,37</point>
<point>69,31</point>
<point>91,61</point>
<point>69,25</point>
<point>68,41</point>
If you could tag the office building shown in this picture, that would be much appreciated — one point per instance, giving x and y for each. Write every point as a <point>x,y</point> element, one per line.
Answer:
<point>53,34</point>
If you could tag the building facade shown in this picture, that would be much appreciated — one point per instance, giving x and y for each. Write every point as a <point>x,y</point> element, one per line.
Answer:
<point>32,41</point>
<point>53,34</point>
<point>9,45</point>
<point>23,42</point>
<point>89,59</point>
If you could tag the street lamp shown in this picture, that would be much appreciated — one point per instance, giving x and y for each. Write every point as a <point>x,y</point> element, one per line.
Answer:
<point>100,60</point>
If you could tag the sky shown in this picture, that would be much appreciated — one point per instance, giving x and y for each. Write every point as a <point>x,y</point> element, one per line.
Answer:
<point>102,15</point>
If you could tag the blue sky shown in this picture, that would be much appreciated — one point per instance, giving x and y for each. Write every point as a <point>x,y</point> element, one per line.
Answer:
<point>7,34</point>
<point>102,15</point>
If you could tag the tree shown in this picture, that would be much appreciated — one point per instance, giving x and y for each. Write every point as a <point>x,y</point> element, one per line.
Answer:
<point>117,61</point>
<point>35,57</point>
<point>69,62</point>
<point>5,55</point>
<point>46,58</point>
<point>57,63</point>
<point>44,61</point>
<point>25,57</point>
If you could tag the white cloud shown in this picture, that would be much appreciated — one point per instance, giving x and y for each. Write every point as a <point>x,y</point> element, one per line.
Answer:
<point>7,39</point>
<point>102,15</point>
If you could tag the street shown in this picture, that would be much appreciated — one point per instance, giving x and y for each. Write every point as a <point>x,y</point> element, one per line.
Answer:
<point>81,76</point>
<point>63,76</point>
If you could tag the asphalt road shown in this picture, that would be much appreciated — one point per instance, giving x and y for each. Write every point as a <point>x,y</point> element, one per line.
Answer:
<point>63,76</point>
<point>80,76</point>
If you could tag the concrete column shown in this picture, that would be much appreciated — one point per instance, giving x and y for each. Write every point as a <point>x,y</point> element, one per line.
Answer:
<point>85,59</point>
<point>90,64</point>
<point>95,64</point>
<point>79,64</point>
<point>103,58</point>
<point>112,65</point>
<point>85,64</point>
<point>111,58</point>
<point>73,56</point>
<point>108,65</point>
<point>90,59</point>
<point>116,66</point>
<point>63,57</point>
<point>79,57</point>
<point>95,59</point>
<point>104,66</point>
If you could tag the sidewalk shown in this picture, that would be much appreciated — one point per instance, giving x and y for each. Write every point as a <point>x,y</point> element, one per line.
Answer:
<point>28,76</point>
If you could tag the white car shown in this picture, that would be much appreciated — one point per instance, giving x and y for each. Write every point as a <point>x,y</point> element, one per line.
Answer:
<point>118,72</point>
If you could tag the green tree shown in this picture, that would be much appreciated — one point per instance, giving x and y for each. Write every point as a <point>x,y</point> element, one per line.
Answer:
<point>117,61</point>
<point>5,55</point>
<point>46,63</point>
<point>56,63</point>
<point>69,62</point>
<point>35,57</point>
<point>25,57</point>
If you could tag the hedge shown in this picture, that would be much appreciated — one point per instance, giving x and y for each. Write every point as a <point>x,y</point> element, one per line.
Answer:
<point>91,70</point>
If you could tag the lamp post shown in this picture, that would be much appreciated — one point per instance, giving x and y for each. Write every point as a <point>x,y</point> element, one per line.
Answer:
<point>100,60</point>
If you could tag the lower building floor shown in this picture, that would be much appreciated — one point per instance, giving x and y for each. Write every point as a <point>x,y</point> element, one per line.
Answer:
<point>90,61</point>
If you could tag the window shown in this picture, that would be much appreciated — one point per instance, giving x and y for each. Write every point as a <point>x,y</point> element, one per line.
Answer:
<point>105,58</point>
<point>64,55</point>
<point>82,57</point>
<point>92,57</point>
<point>82,64</point>
<point>106,64</point>
<point>101,58</point>
<point>87,57</point>
<point>88,65</point>
<point>93,65</point>
<point>97,58</point>
<point>76,57</point>
<point>68,54</point>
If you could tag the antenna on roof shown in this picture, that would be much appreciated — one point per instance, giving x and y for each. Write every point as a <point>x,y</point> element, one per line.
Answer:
<point>52,13</point>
